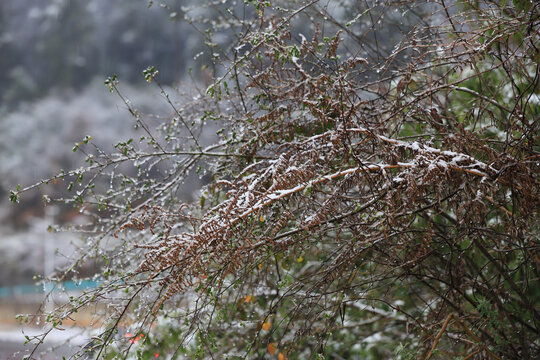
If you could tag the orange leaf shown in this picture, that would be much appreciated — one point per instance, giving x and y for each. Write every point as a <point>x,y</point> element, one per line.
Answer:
<point>266,326</point>
<point>248,298</point>
<point>272,348</point>
<point>281,357</point>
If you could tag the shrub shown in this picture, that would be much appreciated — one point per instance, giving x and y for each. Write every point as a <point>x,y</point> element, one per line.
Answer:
<point>374,191</point>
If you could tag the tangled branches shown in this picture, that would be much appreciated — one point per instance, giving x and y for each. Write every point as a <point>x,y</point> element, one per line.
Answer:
<point>376,190</point>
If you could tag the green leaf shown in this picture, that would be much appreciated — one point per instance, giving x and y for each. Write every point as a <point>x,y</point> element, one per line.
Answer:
<point>150,73</point>
<point>13,197</point>
<point>203,200</point>
<point>111,82</point>
<point>523,5</point>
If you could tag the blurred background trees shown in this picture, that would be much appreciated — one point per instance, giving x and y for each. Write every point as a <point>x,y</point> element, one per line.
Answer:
<point>54,57</point>
<point>65,44</point>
